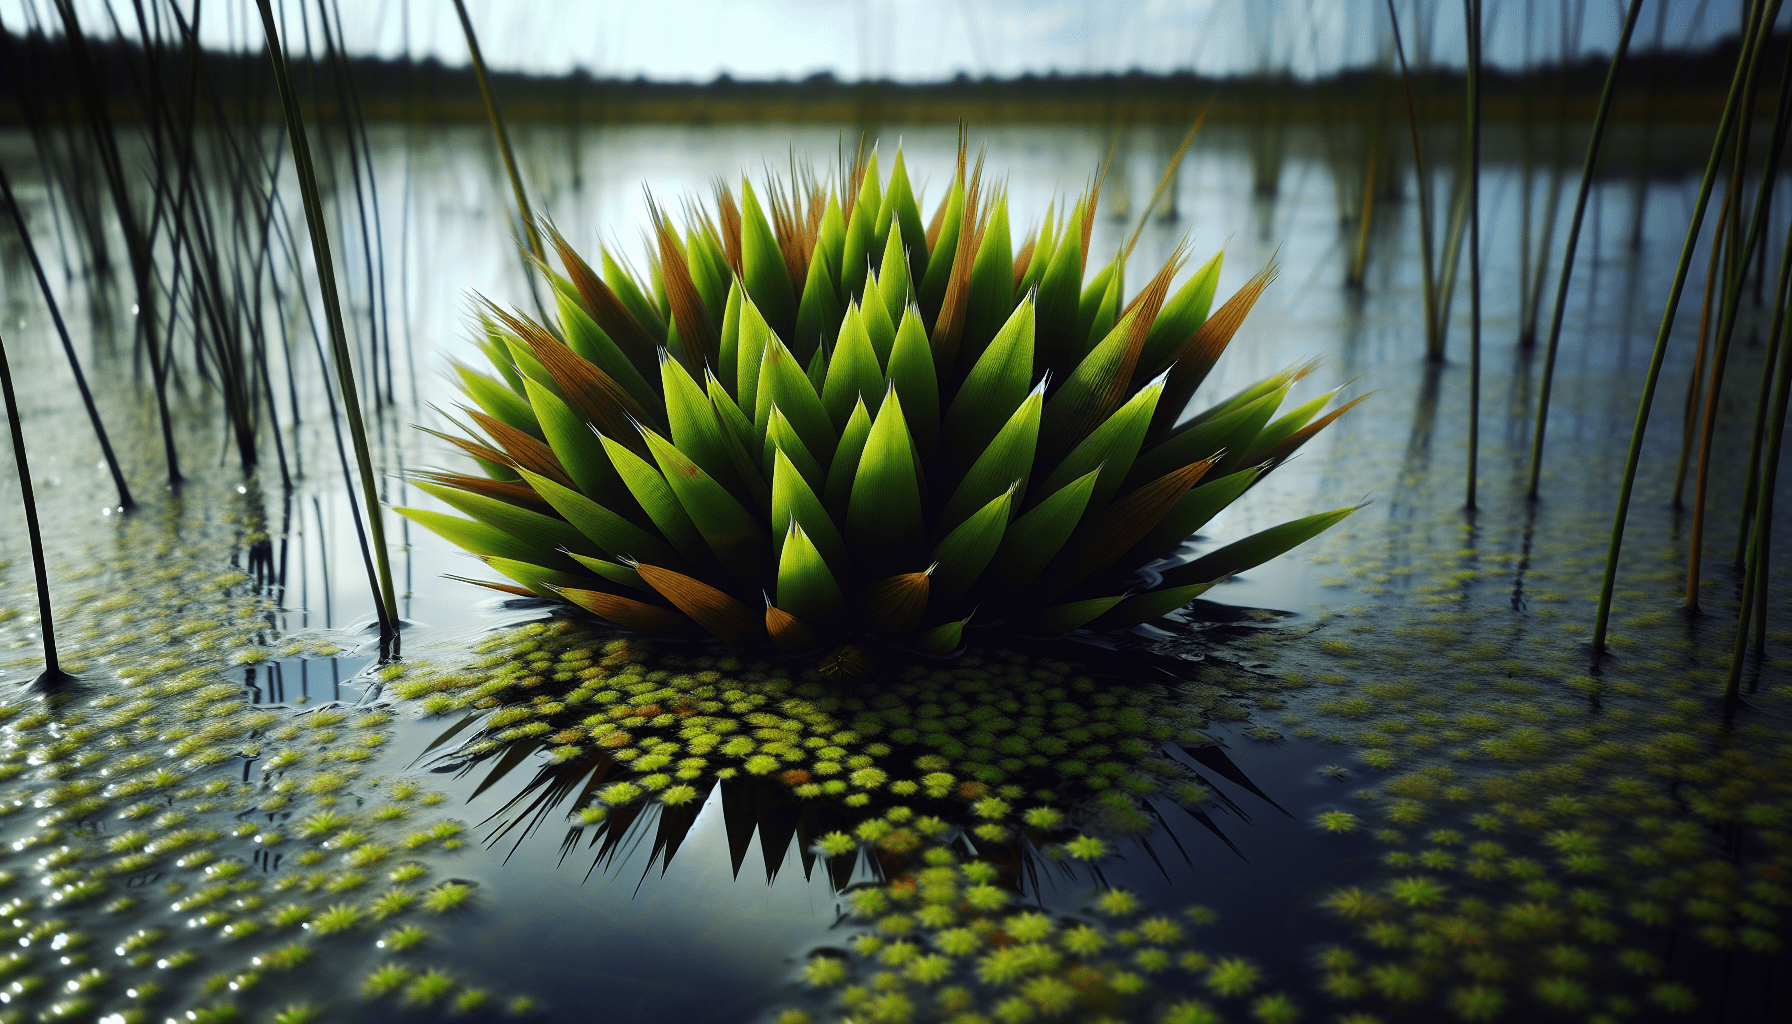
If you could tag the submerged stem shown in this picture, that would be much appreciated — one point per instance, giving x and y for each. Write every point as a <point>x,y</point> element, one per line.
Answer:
<point>52,666</point>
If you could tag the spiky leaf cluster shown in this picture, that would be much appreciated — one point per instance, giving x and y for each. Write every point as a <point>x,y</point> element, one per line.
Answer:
<point>815,417</point>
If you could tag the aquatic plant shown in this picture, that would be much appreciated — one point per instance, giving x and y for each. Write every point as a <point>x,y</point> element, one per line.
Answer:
<point>880,429</point>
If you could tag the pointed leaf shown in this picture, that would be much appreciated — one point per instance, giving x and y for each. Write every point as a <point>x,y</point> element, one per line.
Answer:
<point>879,326</point>
<point>636,616</point>
<point>1112,446</point>
<point>806,587</point>
<point>1099,306</point>
<point>1254,550</point>
<point>729,370</point>
<point>1153,604</point>
<point>695,429</point>
<point>755,336</point>
<point>992,284</point>
<point>905,216</point>
<point>543,533</point>
<point>783,383</point>
<point>591,344</point>
<point>961,557</point>
<point>893,281</point>
<point>659,502</point>
<point>1231,433</point>
<point>1063,618</point>
<point>730,530</point>
<point>1103,539</point>
<point>941,250</point>
<point>891,609</point>
<point>788,632</point>
<point>536,577</point>
<point>615,572</point>
<point>1183,313</point>
<point>995,387</point>
<point>614,536</point>
<point>818,313</point>
<point>911,371</point>
<point>1058,293</point>
<point>498,401</point>
<point>883,519</point>
<point>762,264</point>
<point>1037,536</point>
<point>1193,511</point>
<point>725,618</point>
<point>846,461</point>
<point>793,497</point>
<point>853,373</point>
<point>942,639</point>
<point>579,451</point>
<point>485,539</point>
<point>1191,360</point>
<point>781,437</point>
<point>1009,457</point>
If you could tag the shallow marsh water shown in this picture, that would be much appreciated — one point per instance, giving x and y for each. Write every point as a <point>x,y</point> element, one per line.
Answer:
<point>1419,671</point>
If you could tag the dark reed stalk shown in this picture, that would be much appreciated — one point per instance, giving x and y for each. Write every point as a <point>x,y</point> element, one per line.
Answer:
<point>385,601</point>
<point>1580,209</point>
<point>1471,9</point>
<point>1726,123</point>
<point>125,501</point>
<point>52,674</point>
<point>1754,583</point>
<point>138,242</point>
<point>1427,261</point>
<point>496,115</point>
<point>1531,291</point>
<point>1727,323</point>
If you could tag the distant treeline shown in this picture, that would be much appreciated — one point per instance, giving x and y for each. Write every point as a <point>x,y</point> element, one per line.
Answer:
<point>36,73</point>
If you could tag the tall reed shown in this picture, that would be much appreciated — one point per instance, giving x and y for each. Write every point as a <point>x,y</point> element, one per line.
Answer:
<point>1471,10</point>
<point>385,601</point>
<point>1580,210</point>
<point>1764,16</point>
<point>52,675</point>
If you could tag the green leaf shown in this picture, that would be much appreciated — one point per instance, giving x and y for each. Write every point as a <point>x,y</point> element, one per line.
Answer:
<point>883,519</point>
<point>780,436</point>
<point>1112,447</point>
<point>846,461</point>
<point>1062,618</point>
<point>830,241</point>
<point>904,216</point>
<point>545,535</point>
<point>1040,534</point>
<point>755,335</point>
<point>762,264</point>
<point>996,386</point>
<point>709,271</point>
<point>741,441</point>
<point>537,577</point>
<point>659,502</point>
<point>1193,511</point>
<point>575,445</point>
<point>792,495</point>
<point>1098,306</point>
<point>1041,257</point>
<point>942,639</point>
<point>806,588</point>
<point>730,341</point>
<point>783,383</point>
<point>854,373</point>
<point>992,284</point>
<point>498,401</point>
<point>1058,294</point>
<point>1150,605</point>
<point>738,540</point>
<point>1192,442</point>
<point>695,429</point>
<point>1254,550</point>
<point>483,539</point>
<point>893,274</point>
<point>1183,314</point>
<point>623,284</point>
<point>614,536</point>
<point>615,572</point>
<point>966,551</point>
<point>879,326</point>
<point>932,290</point>
<point>911,371</point>
<point>594,346</point>
<point>1007,458</point>
<point>818,314</point>
<point>861,240</point>
<point>1291,421</point>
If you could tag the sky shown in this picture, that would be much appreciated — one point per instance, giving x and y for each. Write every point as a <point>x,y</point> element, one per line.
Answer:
<point>926,40</point>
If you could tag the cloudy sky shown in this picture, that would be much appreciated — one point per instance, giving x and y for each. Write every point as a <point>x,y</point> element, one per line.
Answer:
<point>918,40</point>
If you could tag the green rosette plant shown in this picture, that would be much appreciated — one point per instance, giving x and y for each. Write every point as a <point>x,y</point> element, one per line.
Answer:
<point>817,418</point>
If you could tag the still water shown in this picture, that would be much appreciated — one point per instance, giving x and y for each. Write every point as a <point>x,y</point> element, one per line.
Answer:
<point>1419,669</point>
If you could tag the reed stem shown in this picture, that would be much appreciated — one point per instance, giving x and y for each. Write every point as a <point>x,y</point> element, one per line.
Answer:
<point>125,501</point>
<point>497,118</point>
<point>1602,616</point>
<point>385,600</point>
<point>52,673</point>
<point>1574,222</point>
<point>1471,9</point>
<point>1434,348</point>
